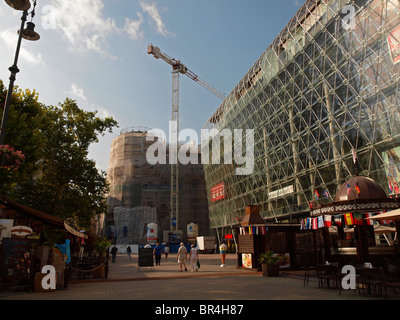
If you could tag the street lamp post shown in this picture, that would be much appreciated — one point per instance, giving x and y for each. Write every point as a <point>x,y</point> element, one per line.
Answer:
<point>28,34</point>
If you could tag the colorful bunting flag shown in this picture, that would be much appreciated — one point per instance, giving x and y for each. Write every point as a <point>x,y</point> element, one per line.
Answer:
<point>358,219</point>
<point>354,155</point>
<point>348,189</point>
<point>348,218</point>
<point>315,223</point>
<point>328,221</point>
<point>316,194</point>
<point>357,188</point>
<point>320,221</point>
<point>326,194</point>
<point>369,221</point>
<point>338,220</point>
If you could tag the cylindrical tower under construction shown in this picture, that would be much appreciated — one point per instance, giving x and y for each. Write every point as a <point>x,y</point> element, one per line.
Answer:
<point>135,183</point>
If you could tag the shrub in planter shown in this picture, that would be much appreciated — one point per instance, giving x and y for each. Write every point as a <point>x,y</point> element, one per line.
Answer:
<point>269,263</point>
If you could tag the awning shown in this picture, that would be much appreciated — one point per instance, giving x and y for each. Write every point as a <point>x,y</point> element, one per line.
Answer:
<point>75,232</point>
<point>12,208</point>
<point>391,215</point>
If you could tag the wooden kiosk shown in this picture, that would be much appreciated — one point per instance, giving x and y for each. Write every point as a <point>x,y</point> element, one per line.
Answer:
<point>351,239</point>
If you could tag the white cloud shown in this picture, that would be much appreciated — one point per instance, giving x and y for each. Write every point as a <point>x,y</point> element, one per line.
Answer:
<point>154,14</point>
<point>81,22</point>
<point>132,27</point>
<point>10,39</point>
<point>76,91</point>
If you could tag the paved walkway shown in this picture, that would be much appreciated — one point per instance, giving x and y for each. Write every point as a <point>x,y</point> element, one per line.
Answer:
<point>210,265</point>
<point>165,283</point>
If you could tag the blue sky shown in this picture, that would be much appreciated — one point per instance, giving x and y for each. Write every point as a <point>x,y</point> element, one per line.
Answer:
<point>95,52</point>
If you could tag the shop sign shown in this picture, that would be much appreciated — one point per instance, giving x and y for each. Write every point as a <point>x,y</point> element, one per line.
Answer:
<point>21,231</point>
<point>217,192</point>
<point>281,192</point>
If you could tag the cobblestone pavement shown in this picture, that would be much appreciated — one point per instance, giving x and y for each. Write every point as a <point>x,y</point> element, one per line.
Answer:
<point>212,282</point>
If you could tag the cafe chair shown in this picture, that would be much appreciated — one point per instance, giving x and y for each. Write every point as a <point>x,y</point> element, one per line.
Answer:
<point>372,281</point>
<point>393,277</point>
<point>327,276</point>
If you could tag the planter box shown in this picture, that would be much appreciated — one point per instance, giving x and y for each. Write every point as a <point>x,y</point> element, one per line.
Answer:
<point>270,270</point>
<point>99,272</point>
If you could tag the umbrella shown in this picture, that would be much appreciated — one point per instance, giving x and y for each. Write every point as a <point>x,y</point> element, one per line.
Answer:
<point>391,215</point>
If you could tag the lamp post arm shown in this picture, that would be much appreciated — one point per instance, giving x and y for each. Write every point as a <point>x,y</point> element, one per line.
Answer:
<point>14,70</point>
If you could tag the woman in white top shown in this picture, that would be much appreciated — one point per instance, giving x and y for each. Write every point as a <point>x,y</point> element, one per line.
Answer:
<point>181,256</point>
<point>194,255</point>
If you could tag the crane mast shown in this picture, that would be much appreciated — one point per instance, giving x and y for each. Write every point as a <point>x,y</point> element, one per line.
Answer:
<point>177,68</point>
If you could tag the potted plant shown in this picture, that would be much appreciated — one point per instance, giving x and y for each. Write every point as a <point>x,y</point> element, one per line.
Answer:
<point>101,247</point>
<point>270,264</point>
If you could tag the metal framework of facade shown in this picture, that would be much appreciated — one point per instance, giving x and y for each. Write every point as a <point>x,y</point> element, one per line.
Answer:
<point>327,85</point>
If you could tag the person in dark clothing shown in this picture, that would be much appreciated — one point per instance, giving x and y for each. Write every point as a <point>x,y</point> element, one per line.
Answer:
<point>114,251</point>
<point>129,251</point>
<point>157,253</point>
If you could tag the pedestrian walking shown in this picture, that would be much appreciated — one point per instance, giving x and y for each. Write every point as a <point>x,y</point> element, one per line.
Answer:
<point>166,251</point>
<point>114,251</point>
<point>223,248</point>
<point>157,253</point>
<point>129,251</point>
<point>194,256</point>
<point>181,256</point>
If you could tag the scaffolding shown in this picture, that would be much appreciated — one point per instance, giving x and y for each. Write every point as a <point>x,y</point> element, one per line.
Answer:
<point>327,86</point>
<point>140,192</point>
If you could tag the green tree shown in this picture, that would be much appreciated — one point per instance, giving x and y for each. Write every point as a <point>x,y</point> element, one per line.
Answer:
<point>56,177</point>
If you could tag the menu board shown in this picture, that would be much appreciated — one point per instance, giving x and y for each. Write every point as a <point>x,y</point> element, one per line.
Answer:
<point>145,257</point>
<point>17,258</point>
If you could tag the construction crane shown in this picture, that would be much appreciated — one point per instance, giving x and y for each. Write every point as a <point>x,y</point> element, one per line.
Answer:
<point>177,68</point>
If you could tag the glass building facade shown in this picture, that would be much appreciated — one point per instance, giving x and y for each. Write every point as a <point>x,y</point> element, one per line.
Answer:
<point>325,89</point>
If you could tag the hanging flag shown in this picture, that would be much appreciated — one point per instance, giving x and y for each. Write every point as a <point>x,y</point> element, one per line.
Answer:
<point>348,218</point>
<point>384,221</point>
<point>354,155</point>
<point>315,223</point>
<point>358,219</point>
<point>302,224</point>
<point>316,194</point>
<point>348,189</point>
<point>326,194</point>
<point>321,222</point>
<point>338,220</point>
<point>370,222</point>
<point>357,188</point>
<point>390,187</point>
<point>328,221</point>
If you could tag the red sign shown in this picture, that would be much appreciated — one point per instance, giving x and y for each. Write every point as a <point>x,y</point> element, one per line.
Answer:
<point>229,236</point>
<point>217,192</point>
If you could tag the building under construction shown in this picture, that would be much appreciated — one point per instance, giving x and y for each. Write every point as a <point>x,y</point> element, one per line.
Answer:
<point>323,101</point>
<point>140,192</point>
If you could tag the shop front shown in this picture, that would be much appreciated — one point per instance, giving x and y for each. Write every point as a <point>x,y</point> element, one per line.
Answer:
<point>354,225</point>
<point>30,240</point>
